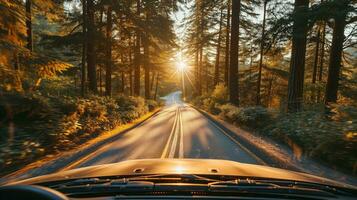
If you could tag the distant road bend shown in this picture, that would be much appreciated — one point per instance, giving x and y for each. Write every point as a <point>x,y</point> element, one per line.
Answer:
<point>177,131</point>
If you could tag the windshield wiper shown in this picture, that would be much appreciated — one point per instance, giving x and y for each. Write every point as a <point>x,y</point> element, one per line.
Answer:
<point>128,184</point>
<point>181,178</point>
<point>160,178</point>
<point>274,187</point>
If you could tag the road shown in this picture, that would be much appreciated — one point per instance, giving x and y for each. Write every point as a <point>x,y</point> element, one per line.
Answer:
<point>177,131</point>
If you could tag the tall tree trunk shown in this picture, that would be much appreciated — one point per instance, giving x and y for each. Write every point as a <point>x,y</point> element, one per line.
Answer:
<point>146,66</point>
<point>91,54</point>
<point>122,85</point>
<point>316,60</point>
<point>226,66</point>
<point>131,64</point>
<point>233,66</point>
<point>197,70</point>
<point>298,52</point>
<point>218,54</point>
<point>108,69</point>
<point>152,81</point>
<point>29,38</point>
<point>335,58</point>
<point>322,60</point>
<point>157,85</point>
<point>258,102</point>
<point>200,71</point>
<point>84,48</point>
<point>137,56</point>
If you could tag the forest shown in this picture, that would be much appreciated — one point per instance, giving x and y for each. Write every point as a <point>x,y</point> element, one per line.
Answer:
<point>71,69</point>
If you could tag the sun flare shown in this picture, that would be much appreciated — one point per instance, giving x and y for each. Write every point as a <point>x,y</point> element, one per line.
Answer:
<point>181,65</point>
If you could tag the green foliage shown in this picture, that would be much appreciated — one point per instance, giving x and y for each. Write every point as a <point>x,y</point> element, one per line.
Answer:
<point>327,135</point>
<point>33,125</point>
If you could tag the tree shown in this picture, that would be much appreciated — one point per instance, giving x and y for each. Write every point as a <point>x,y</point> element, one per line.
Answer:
<point>84,48</point>
<point>91,54</point>
<point>218,53</point>
<point>298,51</point>
<point>341,10</point>
<point>234,47</point>
<point>258,102</point>
<point>29,44</point>
<point>108,69</point>
<point>228,26</point>
<point>137,54</point>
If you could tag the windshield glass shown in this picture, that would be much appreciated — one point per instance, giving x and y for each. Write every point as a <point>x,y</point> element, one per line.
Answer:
<point>257,90</point>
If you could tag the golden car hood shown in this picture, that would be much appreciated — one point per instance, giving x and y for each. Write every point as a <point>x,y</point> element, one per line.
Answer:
<point>181,166</point>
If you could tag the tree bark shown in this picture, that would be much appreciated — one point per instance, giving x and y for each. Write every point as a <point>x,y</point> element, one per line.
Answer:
<point>108,69</point>
<point>233,66</point>
<point>29,37</point>
<point>84,48</point>
<point>335,59</point>
<point>157,86</point>
<point>91,54</point>
<point>316,58</point>
<point>137,56</point>
<point>200,67</point>
<point>146,66</point>
<point>131,64</point>
<point>258,101</point>
<point>322,60</point>
<point>298,52</point>
<point>218,54</point>
<point>226,66</point>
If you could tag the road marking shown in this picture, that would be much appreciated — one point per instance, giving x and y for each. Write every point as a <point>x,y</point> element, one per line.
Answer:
<point>172,132</point>
<point>181,137</point>
<point>176,135</point>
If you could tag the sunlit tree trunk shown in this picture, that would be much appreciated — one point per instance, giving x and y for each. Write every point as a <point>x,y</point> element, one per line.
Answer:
<point>218,54</point>
<point>108,69</point>
<point>91,54</point>
<point>298,52</point>
<point>152,82</point>
<point>200,66</point>
<point>234,48</point>
<point>157,85</point>
<point>335,58</point>
<point>258,101</point>
<point>29,38</point>
<point>226,65</point>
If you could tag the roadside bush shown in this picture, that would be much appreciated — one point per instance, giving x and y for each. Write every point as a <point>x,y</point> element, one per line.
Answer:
<point>34,125</point>
<point>256,117</point>
<point>327,136</point>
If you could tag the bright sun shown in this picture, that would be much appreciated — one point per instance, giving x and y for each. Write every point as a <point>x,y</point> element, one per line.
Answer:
<point>181,65</point>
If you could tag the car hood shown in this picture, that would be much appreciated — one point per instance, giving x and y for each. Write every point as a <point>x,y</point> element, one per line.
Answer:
<point>182,166</point>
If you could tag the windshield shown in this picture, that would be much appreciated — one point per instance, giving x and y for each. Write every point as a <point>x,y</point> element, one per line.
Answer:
<point>264,90</point>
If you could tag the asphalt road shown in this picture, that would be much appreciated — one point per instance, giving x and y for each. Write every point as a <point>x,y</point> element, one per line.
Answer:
<point>177,131</point>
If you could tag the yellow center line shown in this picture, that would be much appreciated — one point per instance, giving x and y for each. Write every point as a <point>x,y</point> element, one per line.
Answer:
<point>163,155</point>
<point>174,142</point>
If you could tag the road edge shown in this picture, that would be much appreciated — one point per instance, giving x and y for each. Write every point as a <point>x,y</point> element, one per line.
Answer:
<point>283,160</point>
<point>269,159</point>
<point>61,161</point>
